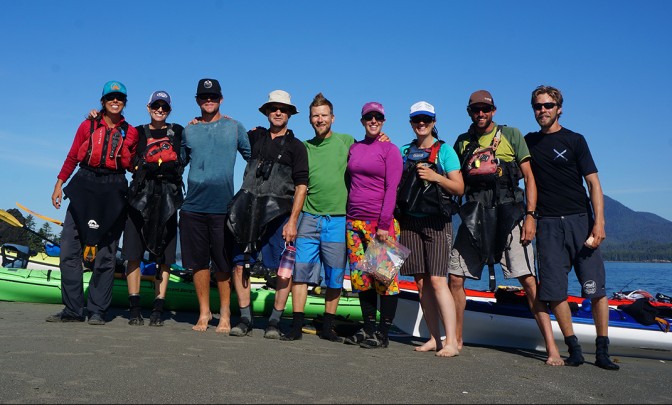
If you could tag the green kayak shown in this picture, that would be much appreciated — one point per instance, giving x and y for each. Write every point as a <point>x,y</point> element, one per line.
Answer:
<point>44,286</point>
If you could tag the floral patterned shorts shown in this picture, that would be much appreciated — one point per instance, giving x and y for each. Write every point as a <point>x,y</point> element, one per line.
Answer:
<point>358,235</point>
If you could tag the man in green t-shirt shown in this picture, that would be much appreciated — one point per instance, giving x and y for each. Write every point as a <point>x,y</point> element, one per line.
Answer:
<point>321,233</point>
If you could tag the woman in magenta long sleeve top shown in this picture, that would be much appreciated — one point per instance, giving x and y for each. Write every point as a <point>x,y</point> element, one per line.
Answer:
<point>375,169</point>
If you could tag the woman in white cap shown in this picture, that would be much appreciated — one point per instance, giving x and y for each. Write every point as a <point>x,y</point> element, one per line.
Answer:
<point>154,197</point>
<point>374,168</point>
<point>103,148</point>
<point>431,176</point>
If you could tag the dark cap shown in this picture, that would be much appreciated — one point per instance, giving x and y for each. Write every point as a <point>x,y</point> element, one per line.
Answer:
<point>159,95</point>
<point>481,97</point>
<point>208,86</point>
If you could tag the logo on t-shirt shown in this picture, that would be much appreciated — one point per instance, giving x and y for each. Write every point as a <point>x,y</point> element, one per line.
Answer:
<point>560,154</point>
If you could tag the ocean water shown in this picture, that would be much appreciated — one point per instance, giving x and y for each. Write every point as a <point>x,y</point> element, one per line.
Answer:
<point>621,276</point>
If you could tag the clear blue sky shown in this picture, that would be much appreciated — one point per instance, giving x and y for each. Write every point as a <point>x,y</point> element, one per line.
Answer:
<point>611,59</point>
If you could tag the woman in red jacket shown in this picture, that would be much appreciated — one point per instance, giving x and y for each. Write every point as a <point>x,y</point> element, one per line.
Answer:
<point>103,147</point>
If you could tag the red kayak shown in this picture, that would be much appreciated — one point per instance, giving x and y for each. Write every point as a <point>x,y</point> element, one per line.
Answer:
<point>619,298</point>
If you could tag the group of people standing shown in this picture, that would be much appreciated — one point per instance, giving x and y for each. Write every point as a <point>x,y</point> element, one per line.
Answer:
<point>330,197</point>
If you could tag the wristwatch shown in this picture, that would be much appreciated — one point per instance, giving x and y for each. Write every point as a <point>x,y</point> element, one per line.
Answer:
<point>532,213</point>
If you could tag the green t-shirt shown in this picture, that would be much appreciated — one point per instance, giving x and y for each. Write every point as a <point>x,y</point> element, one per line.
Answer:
<point>327,162</point>
<point>512,146</point>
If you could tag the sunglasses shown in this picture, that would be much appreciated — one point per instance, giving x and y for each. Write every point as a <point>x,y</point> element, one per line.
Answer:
<point>273,108</point>
<point>370,116</point>
<point>115,96</point>
<point>478,109</point>
<point>422,118</point>
<point>548,106</point>
<point>206,97</point>
<point>165,107</point>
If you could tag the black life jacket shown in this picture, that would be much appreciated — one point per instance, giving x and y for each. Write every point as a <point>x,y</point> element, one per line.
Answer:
<point>103,149</point>
<point>416,196</point>
<point>267,193</point>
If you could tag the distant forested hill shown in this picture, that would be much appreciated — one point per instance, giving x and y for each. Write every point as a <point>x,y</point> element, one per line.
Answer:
<point>635,236</point>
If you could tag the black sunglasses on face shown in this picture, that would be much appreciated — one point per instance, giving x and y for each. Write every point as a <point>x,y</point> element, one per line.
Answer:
<point>165,107</point>
<point>548,106</point>
<point>115,96</point>
<point>422,118</point>
<point>477,109</point>
<point>370,116</point>
<point>274,108</point>
<point>206,97</point>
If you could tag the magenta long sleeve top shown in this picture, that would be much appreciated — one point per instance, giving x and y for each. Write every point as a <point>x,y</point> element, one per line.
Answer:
<point>375,171</point>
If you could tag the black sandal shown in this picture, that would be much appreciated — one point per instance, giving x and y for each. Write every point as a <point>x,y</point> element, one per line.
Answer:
<point>377,341</point>
<point>155,319</point>
<point>357,338</point>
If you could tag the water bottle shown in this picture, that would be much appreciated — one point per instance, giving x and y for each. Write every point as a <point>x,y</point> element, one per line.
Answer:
<point>287,261</point>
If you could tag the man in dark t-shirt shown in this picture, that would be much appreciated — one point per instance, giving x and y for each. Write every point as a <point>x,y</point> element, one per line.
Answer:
<point>568,235</point>
<point>264,215</point>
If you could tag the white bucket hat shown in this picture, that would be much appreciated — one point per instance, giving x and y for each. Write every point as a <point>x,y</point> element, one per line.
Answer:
<point>279,97</point>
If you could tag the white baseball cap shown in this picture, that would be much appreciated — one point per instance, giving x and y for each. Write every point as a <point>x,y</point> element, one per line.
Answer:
<point>422,108</point>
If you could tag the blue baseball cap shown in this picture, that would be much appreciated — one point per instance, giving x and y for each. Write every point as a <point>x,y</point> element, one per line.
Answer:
<point>114,86</point>
<point>159,95</point>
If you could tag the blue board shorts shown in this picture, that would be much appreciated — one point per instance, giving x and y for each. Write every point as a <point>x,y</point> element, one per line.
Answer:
<point>559,248</point>
<point>320,242</point>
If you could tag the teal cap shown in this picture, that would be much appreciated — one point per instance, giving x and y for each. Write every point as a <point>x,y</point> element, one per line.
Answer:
<point>114,86</point>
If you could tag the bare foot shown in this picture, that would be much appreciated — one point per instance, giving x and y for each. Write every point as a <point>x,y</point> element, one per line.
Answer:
<point>554,358</point>
<point>224,326</point>
<point>448,351</point>
<point>460,343</point>
<point>427,347</point>
<point>202,324</point>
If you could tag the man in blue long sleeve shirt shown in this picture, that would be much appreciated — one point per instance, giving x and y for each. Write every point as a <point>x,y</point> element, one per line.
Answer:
<point>209,148</point>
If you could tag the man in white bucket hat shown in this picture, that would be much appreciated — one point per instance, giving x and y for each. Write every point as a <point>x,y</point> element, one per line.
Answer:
<point>264,214</point>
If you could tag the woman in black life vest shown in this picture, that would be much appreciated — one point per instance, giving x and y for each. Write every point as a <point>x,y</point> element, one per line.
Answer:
<point>95,217</point>
<point>431,171</point>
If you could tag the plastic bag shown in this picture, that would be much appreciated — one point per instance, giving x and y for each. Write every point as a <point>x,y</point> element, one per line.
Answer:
<point>384,259</point>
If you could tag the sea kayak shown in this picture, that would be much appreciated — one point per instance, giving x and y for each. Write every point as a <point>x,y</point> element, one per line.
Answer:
<point>20,256</point>
<point>489,323</point>
<point>44,286</point>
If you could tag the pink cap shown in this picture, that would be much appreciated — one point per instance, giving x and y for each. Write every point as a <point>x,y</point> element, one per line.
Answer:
<point>373,107</point>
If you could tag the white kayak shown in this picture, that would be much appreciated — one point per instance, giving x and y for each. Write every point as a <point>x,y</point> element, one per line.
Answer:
<point>512,325</point>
